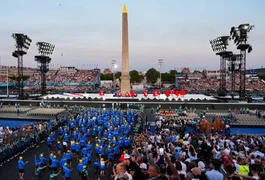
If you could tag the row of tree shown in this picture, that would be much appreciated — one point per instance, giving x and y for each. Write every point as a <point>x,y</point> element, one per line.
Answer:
<point>151,76</point>
<point>262,76</point>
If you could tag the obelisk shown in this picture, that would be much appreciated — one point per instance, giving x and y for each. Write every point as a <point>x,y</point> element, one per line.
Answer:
<point>125,76</point>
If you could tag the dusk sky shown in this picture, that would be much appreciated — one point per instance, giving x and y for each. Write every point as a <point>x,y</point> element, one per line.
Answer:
<point>88,32</point>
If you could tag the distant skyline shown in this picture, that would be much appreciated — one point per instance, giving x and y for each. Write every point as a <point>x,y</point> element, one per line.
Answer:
<point>89,32</point>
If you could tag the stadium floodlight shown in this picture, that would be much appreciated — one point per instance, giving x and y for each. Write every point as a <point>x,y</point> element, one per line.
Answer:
<point>240,34</point>
<point>45,49</point>
<point>22,41</point>
<point>219,44</point>
<point>114,66</point>
<point>160,65</point>
<point>249,49</point>
<point>22,45</point>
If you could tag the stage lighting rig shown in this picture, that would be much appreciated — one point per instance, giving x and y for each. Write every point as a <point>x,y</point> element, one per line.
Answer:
<point>219,46</point>
<point>240,36</point>
<point>22,45</point>
<point>45,51</point>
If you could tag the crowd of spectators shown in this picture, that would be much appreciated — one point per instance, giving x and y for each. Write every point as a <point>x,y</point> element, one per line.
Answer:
<point>167,153</point>
<point>60,79</point>
<point>62,88</point>
<point>198,156</point>
<point>213,83</point>
<point>15,140</point>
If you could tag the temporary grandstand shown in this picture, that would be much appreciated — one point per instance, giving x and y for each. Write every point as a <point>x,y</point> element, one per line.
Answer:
<point>60,78</point>
<point>71,79</point>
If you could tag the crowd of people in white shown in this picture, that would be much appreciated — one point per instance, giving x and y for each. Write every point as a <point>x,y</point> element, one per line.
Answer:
<point>199,156</point>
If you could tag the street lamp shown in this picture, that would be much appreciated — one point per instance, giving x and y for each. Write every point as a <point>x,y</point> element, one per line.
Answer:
<point>160,65</point>
<point>114,67</point>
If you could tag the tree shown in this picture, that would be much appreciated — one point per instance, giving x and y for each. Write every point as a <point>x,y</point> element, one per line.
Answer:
<point>165,77</point>
<point>169,77</point>
<point>261,76</point>
<point>109,77</point>
<point>152,75</point>
<point>106,77</point>
<point>196,71</point>
<point>117,74</point>
<point>173,72</point>
<point>135,77</point>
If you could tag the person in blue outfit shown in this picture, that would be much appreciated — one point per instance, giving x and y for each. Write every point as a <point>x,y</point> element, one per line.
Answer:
<point>21,167</point>
<point>59,148</point>
<point>55,164</point>
<point>43,160</point>
<point>67,172</point>
<point>97,166</point>
<point>68,156</point>
<point>79,167</point>
<point>77,149</point>
<point>89,158</point>
<point>49,142</point>
<point>63,161</point>
<point>73,148</point>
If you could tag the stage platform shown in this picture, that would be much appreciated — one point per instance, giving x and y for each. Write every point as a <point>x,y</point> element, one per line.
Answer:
<point>33,113</point>
<point>45,112</point>
<point>22,117</point>
<point>187,97</point>
<point>14,109</point>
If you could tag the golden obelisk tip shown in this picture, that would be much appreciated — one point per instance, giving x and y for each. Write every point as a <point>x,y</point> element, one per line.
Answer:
<point>124,9</point>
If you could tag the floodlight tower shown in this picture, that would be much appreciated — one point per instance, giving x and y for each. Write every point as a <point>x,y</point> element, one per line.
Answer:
<point>160,65</point>
<point>219,45</point>
<point>114,67</point>
<point>45,51</point>
<point>240,35</point>
<point>22,46</point>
